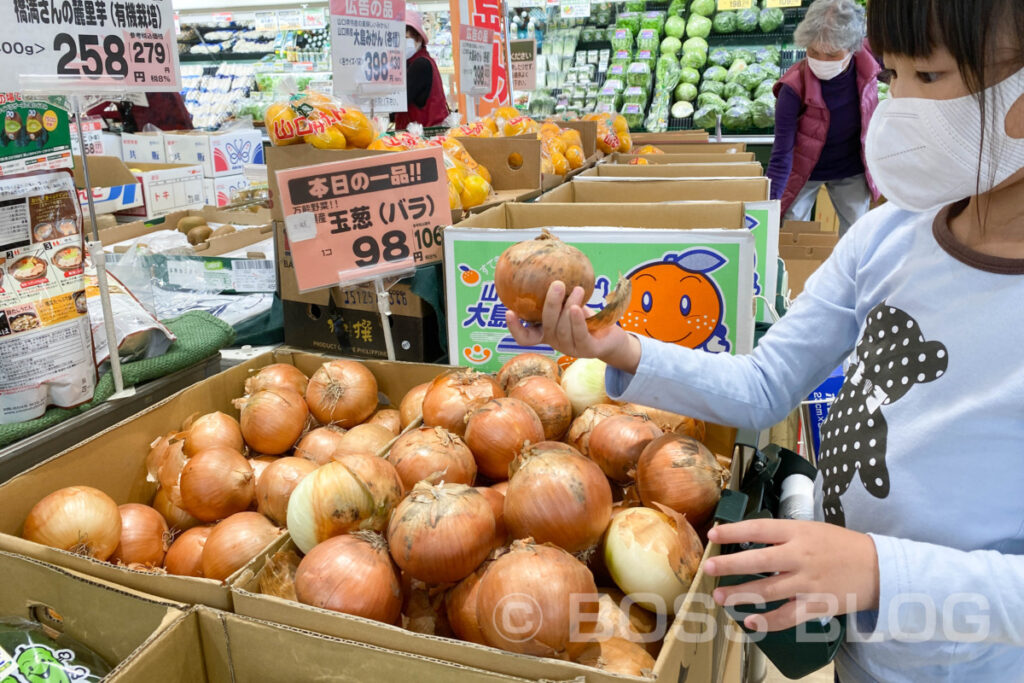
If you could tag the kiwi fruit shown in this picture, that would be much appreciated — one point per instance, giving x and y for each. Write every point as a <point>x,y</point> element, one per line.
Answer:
<point>186,224</point>
<point>199,234</point>
<point>223,230</point>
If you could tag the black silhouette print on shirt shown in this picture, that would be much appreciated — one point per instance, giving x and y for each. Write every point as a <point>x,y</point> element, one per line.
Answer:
<point>891,357</point>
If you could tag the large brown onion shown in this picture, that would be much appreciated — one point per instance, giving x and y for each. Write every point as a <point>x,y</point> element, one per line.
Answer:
<point>389,418</point>
<point>432,454</point>
<point>411,407</point>
<point>217,483</point>
<point>616,445</point>
<point>213,429</point>
<point>583,426</point>
<point>185,556</point>
<point>497,500</point>
<point>460,605</point>
<point>320,445</point>
<point>621,617</point>
<point>557,496</point>
<point>144,537</point>
<point>525,272</point>
<point>81,519</point>
<point>454,394</point>
<point>234,542</point>
<point>177,519</point>
<point>549,401</point>
<point>535,599</point>
<point>342,392</point>
<point>364,439</point>
<point>617,656</point>
<point>671,422</point>
<point>352,574</point>
<point>272,421</point>
<point>682,474</point>
<point>260,463</point>
<point>526,365</point>
<point>277,376</point>
<point>275,487</point>
<point>497,431</point>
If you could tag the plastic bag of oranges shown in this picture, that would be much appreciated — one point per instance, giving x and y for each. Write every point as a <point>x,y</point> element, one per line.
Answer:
<point>398,142</point>
<point>607,138</point>
<point>466,178</point>
<point>563,147</point>
<point>319,120</point>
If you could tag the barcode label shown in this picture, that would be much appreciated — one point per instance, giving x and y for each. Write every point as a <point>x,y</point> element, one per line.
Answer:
<point>252,265</point>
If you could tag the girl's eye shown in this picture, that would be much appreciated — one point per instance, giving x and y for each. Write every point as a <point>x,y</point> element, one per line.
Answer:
<point>927,76</point>
<point>647,302</point>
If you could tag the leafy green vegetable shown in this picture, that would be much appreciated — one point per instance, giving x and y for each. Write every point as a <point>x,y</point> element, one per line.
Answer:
<point>738,67</point>
<point>636,5</point>
<point>634,115</point>
<point>716,87</point>
<point>741,101</point>
<point>689,75</point>
<point>629,20</point>
<point>751,77</point>
<point>666,64</point>
<point>746,54</point>
<point>705,117</point>
<point>654,21</point>
<point>648,40</point>
<point>682,110</point>
<point>639,74</point>
<point>622,40</point>
<point>771,19</point>
<point>686,92</point>
<point>694,59</point>
<point>699,26</point>
<point>671,46</point>
<point>704,8</point>
<point>734,89</point>
<point>720,57</point>
<point>634,95</point>
<point>676,9</point>
<point>715,73</point>
<point>710,99</point>
<point>725,22</point>
<point>675,27</point>
<point>746,20</point>
<point>737,118</point>
<point>697,43</point>
<point>763,111</point>
<point>772,71</point>
<point>765,88</point>
<point>768,55</point>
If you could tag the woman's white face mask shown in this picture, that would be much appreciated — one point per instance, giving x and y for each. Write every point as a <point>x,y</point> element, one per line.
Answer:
<point>412,46</point>
<point>827,70</point>
<point>923,153</point>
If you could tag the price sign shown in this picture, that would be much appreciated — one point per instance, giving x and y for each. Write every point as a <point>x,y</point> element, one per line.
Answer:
<point>313,19</point>
<point>727,5</point>
<point>771,4</point>
<point>476,46</point>
<point>574,9</point>
<point>524,64</point>
<point>289,20</point>
<point>357,220</point>
<point>126,46</point>
<point>92,133</point>
<point>368,45</point>
<point>265,21</point>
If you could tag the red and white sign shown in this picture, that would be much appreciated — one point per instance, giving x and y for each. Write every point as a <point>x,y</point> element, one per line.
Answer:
<point>487,14</point>
<point>368,46</point>
<point>475,59</point>
<point>358,220</point>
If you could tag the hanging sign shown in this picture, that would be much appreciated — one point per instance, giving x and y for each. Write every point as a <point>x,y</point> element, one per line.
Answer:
<point>358,220</point>
<point>289,20</point>
<point>265,21</point>
<point>313,19</point>
<point>524,64</point>
<point>368,45</point>
<point>574,9</point>
<point>117,46</point>
<point>476,47</point>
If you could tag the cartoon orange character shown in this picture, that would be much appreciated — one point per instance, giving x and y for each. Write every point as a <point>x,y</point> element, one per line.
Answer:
<point>675,301</point>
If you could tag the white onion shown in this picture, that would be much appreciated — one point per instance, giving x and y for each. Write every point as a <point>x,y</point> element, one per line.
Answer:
<point>583,382</point>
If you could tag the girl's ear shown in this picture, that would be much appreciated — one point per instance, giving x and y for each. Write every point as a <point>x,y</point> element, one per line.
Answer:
<point>1015,119</point>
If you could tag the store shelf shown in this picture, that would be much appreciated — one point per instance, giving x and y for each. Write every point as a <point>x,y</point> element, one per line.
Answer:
<point>225,57</point>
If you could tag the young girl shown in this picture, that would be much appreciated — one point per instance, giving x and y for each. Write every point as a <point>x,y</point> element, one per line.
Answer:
<point>922,532</point>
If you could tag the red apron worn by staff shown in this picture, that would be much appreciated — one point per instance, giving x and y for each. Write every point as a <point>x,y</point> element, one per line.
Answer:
<point>426,102</point>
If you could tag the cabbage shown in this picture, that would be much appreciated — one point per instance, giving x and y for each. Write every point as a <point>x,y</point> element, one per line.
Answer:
<point>689,75</point>
<point>737,118</point>
<point>715,73</point>
<point>676,9</point>
<point>699,26</point>
<point>725,22</point>
<point>771,71</point>
<point>716,87</point>
<point>666,64</point>
<point>686,92</point>
<point>734,90</point>
<point>694,60</point>
<point>675,27</point>
<point>751,77</point>
<point>766,88</point>
<point>738,67</point>
<point>636,5</point>
<point>763,111</point>
<point>767,55</point>
<point>741,101</point>
<point>622,40</point>
<point>705,117</point>
<point>704,8</point>
<point>710,99</point>
<point>746,20</point>
<point>771,19</point>
<point>682,110</point>
<point>720,57</point>
<point>671,46</point>
<point>745,54</point>
<point>695,44</point>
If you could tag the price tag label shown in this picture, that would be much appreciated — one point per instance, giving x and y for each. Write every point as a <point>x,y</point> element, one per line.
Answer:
<point>772,4</point>
<point>289,20</point>
<point>126,46</point>
<point>92,133</point>
<point>476,47</point>
<point>524,64</point>
<point>729,5</point>
<point>368,45</point>
<point>574,9</point>
<point>265,21</point>
<point>313,19</point>
<point>357,220</point>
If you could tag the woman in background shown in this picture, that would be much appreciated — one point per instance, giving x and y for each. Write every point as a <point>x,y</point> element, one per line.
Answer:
<point>426,102</point>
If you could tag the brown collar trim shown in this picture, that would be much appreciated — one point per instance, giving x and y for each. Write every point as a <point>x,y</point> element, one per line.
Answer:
<point>966,255</point>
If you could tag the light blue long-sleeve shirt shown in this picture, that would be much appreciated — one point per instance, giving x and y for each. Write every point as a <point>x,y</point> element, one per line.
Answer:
<point>923,449</point>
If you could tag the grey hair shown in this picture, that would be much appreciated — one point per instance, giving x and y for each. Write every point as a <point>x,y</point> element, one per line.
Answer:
<point>835,24</point>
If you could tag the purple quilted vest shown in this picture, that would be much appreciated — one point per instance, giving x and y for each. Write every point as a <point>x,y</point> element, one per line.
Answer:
<point>814,121</point>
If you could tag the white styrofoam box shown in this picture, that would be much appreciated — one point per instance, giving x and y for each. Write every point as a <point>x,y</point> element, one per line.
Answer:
<point>220,191</point>
<point>219,154</point>
<point>146,148</point>
<point>167,188</point>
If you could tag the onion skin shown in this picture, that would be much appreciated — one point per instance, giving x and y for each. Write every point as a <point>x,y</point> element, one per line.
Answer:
<point>553,587</point>
<point>672,422</point>
<point>440,534</point>
<point>423,608</point>
<point>272,421</point>
<point>501,487</point>
<point>80,519</point>
<point>616,445</point>
<point>177,519</point>
<point>614,307</point>
<point>411,407</point>
<point>353,575</point>
<point>525,272</point>
<point>213,429</point>
<point>216,484</point>
<point>388,418</point>
<point>526,365</point>
<point>277,376</point>
<point>234,542</point>
<point>682,474</point>
<point>617,656</point>
<point>364,439</point>
<point>455,394</point>
<point>557,496</point>
<point>432,454</point>
<point>275,487</point>
<point>549,401</point>
<point>583,426</point>
<point>259,464</point>
<point>185,556</point>
<point>460,605</point>
<point>342,392</point>
<point>144,537</point>
<point>619,617</point>
<point>497,501</point>
<point>497,431</point>
<point>320,445</point>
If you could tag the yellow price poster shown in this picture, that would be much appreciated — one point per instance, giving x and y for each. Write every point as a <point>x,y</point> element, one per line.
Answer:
<point>783,3</point>
<point>727,5</point>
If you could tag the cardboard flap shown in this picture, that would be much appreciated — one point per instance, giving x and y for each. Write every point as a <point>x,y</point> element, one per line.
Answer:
<point>670,137</point>
<point>521,172</point>
<point>687,217</point>
<point>697,157</point>
<point>103,172</point>
<point>588,133</point>
<point>801,226</point>
<point>806,239</point>
<point>216,246</point>
<point>654,190</point>
<point>723,170</point>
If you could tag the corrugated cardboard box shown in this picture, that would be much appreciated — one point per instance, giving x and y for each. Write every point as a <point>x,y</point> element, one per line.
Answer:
<point>221,191</point>
<point>697,157</point>
<point>222,153</point>
<point>690,146</point>
<point>632,190</point>
<point>803,247</point>
<point>718,170</point>
<point>514,165</point>
<point>114,187</point>
<point>536,215</point>
<point>167,188</point>
<point>675,137</point>
<point>145,148</point>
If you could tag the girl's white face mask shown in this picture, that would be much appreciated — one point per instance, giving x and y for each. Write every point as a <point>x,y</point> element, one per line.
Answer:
<point>923,154</point>
<point>826,71</point>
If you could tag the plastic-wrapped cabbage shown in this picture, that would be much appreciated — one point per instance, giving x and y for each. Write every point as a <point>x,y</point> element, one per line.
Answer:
<point>705,117</point>
<point>617,72</point>
<point>738,67</point>
<point>704,8</point>
<point>636,5</point>
<point>634,115</point>
<point>686,92</point>
<point>763,111</point>
<point>752,76</point>
<point>710,99</point>
<point>771,71</point>
<point>675,26</point>
<point>697,43</point>
<point>716,87</point>
<point>694,59</point>
<point>767,55</point>
<point>629,20</point>
<point>689,75</point>
<point>676,9</point>
<point>647,57</point>
<point>681,110</point>
<point>766,88</point>
<point>734,89</point>
<point>639,74</point>
<point>725,22</point>
<point>771,19</point>
<point>622,40</point>
<point>737,118</point>
<point>648,39</point>
<point>739,101</point>
<point>715,73</point>
<point>634,95</point>
<point>698,26</point>
<point>654,21</point>
<point>746,54</point>
<point>720,57</point>
<point>666,66</point>
<point>746,20</point>
<point>671,46</point>
<point>610,97</point>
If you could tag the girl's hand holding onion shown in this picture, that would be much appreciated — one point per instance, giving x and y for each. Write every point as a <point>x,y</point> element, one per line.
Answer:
<point>813,563</point>
<point>564,328</point>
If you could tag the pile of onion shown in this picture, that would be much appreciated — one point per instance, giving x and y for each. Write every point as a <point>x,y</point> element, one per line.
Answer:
<point>364,439</point>
<point>460,606</point>
<point>275,487</point>
<point>556,495</point>
<point>185,556</point>
<point>681,473</point>
<point>496,498</point>
<point>234,542</point>
<point>342,392</point>
<point>671,422</point>
<point>177,518</point>
<point>583,426</point>
<point>621,617</point>
<point>616,445</point>
<point>432,454</point>
<point>144,537</point>
<point>549,401</point>
<point>497,431</point>
<point>537,591</point>
<point>411,407</point>
<point>518,368</point>
<point>217,483</point>
<point>80,519</point>
<point>350,494</point>
<point>389,418</point>
<point>353,574</point>
<point>273,420</point>
<point>165,461</point>
<point>423,608</point>
<point>277,376</point>
<point>454,394</point>
<point>652,553</point>
<point>617,656</point>
<point>583,383</point>
<point>320,445</point>
<point>210,430</point>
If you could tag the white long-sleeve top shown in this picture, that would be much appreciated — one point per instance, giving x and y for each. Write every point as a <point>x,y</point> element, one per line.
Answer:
<point>924,447</point>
